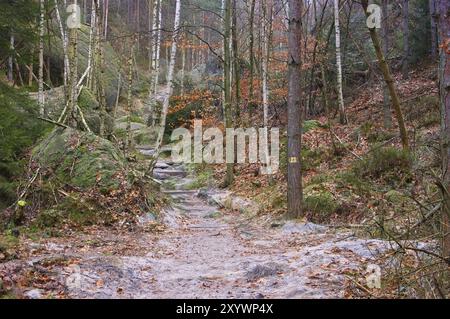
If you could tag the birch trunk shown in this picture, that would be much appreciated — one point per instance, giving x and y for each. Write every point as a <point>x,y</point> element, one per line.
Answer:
<point>157,48</point>
<point>73,78</point>
<point>170,83</point>
<point>41,101</point>
<point>92,43</point>
<point>64,43</point>
<point>11,60</point>
<point>129,100</point>
<point>342,114</point>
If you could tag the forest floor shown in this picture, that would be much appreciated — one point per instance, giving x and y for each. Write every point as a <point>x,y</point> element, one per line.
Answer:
<point>200,251</point>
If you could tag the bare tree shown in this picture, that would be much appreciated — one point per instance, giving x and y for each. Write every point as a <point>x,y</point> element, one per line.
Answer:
<point>295,189</point>
<point>170,81</point>
<point>41,58</point>
<point>388,79</point>
<point>405,26</point>
<point>443,11</point>
<point>342,114</point>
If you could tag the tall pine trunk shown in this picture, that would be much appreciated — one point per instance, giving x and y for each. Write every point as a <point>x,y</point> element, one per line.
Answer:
<point>295,111</point>
<point>443,11</point>
<point>229,178</point>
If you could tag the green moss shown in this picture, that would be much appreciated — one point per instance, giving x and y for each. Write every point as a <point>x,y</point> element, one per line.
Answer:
<point>310,125</point>
<point>81,159</point>
<point>312,158</point>
<point>388,162</point>
<point>321,204</point>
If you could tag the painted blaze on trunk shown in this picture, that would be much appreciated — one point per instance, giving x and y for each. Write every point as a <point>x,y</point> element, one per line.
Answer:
<point>295,190</point>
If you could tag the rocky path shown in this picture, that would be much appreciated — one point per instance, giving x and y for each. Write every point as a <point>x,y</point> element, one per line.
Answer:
<point>208,253</point>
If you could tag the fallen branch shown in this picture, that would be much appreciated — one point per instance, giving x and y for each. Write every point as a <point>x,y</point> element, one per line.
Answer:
<point>53,122</point>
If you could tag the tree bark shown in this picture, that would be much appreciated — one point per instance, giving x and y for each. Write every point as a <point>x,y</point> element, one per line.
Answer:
<point>342,114</point>
<point>387,118</point>
<point>295,189</point>
<point>405,26</point>
<point>170,83</point>
<point>73,77</point>
<point>389,81</point>
<point>11,60</point>
<point>251,49</point>
<point>434,38</point>
<point>443,13</point>
<point>229,178</point>
<point>41,59</point>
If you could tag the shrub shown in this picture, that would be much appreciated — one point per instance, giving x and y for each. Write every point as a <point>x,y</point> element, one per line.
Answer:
<point>382,161</point>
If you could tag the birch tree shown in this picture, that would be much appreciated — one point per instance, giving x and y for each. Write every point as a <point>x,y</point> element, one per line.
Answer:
<point>170,82</point>
<point>342,114</point>
<point>41,59</point>
<point>294,189</point>
<point>11,59</point>
<point>73,77</point>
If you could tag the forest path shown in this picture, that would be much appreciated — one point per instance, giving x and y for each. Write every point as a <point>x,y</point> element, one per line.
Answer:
<point>207,254</point>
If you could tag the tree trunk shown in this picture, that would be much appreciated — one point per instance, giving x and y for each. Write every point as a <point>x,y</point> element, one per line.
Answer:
<point>443,11</point>
<point>73,78</point>
<point>434,39</point>
<point>387,119</point>
<point>342,115</point>
<point>11,60</point>
<point>389,80</point>
<point>236,66</point>
<point>251,49</point>
<point>129,100</point>
<point>64,43</point>
<point>92,44</point>
<point>170,82</point>
<point>229,178</point>
<point>295,189</point>
<point>41,59</point>
<point>405,26</point>
<point>150,35</point>
<point>157,53</point>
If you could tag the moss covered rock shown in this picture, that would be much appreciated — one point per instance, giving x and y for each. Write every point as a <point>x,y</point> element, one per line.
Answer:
<point>80,159</point>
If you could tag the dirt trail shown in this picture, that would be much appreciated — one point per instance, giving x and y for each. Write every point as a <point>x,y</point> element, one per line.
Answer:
<point>207,254</point>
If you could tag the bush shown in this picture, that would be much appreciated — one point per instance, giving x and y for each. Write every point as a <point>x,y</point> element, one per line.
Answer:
<point>383,161</point>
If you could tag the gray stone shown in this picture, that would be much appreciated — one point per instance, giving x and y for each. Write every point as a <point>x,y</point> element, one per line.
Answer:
<point>303,228</point>
<point>34,294</point>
